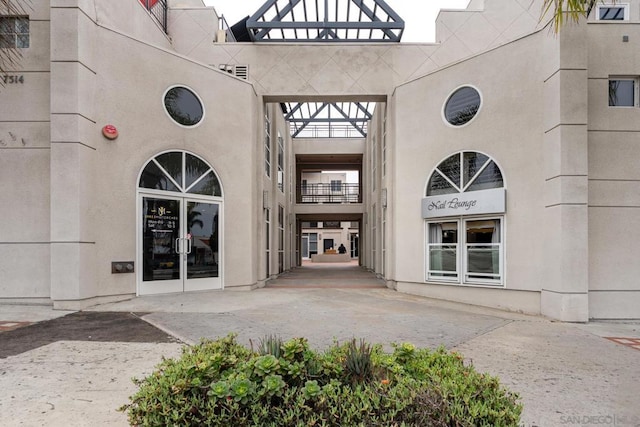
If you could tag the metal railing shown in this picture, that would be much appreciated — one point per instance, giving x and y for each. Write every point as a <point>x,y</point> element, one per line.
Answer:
<point>329,193</point>
<point>158,10</point>
<point>326,131</point>
<point>224,25</point>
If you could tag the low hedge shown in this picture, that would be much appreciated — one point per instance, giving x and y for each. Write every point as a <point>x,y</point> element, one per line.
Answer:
<point>222,383</point>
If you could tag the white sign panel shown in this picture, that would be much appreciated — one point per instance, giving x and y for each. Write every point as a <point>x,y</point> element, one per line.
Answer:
<point>471,203</point>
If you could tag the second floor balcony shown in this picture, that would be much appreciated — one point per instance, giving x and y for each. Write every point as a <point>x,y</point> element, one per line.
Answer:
<point>158,11</point>
<point>340,193</point>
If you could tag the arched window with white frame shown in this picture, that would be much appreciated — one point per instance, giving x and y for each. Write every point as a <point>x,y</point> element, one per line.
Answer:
<point>464,208</point>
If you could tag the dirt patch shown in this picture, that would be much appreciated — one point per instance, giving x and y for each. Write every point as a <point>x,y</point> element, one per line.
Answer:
<point>82,326</point>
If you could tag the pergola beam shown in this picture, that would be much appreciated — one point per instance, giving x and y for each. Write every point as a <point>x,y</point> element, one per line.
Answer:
<point>344,25</point>
<point>338,120</point>
<point>359,127</point>
<point>279,14</point>
<point>371,14</point>
<point>313,116</point>
<point>283,21</point>
<point>302,115</point>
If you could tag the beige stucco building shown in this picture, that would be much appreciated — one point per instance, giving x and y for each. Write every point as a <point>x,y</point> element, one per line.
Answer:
<point>497,166</point>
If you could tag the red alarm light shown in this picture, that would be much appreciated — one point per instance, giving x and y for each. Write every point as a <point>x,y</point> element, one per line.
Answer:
<point>110,132</point>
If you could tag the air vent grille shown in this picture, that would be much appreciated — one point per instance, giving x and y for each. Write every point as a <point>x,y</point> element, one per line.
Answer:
<point>241,71</point>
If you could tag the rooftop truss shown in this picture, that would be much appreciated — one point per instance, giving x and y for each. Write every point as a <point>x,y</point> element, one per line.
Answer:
<point>328,119</point>
<point>325,20</point>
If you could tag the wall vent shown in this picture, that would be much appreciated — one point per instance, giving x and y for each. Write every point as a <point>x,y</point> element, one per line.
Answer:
<point>241,71</point>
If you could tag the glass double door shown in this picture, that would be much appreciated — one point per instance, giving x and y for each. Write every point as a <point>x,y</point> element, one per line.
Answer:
<point>180,243</point>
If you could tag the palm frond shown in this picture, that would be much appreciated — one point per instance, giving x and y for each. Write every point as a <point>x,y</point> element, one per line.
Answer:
<point>566,11</point>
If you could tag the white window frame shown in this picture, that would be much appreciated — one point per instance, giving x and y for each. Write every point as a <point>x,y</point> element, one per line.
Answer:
<point>290,183</point>
<point>374,237</point>
<point>462,273</point>
<point>194,93</point>
<point>281,238</point>
<point>384,142</point>
<point>280,162</point>
<point>465,250</point>
<point>268,236</point>
<point>313,238</point>
<point>624,6</point>
<point>437,274</point>
<point>383,242</point>
<point>636,90</point>
<point>446,102</point>
<point>267,144</point>
<point>304,244</point>
<point>374,163</point>
<point>14,35</point>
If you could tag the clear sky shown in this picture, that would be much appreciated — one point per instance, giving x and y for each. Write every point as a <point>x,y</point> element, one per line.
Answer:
<point>419,15</point>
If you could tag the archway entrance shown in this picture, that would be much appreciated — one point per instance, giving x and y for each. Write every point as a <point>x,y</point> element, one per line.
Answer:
<point>179,225</point>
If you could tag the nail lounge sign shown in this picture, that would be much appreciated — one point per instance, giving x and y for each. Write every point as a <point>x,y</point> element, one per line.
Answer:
<point>471,203</point>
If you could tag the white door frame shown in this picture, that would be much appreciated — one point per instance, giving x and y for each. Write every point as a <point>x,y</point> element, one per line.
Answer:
<point>183,284</point>
<point>208,283</point>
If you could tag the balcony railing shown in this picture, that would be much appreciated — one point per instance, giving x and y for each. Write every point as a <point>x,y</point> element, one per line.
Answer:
<point>158,10</point>
<point>329,193</point>
<point>224,25</point>
<point>326,131</point>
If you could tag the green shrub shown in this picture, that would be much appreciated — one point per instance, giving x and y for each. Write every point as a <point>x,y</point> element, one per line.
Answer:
<point>271,344</point>
<point>221,383</point>
<point>357,365</point>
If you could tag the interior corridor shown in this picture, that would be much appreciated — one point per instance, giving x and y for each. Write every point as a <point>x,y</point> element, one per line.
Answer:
<point>327,275</point>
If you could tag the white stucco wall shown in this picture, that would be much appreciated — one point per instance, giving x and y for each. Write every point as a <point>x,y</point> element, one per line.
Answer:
<point>225,139</point>
<point>571,228</point>
<point>192,27</point>
<point>508,129</point>
<point>276,196</point>
<point>24,168</point>
<point>94,181</point>
<point>614,176</point>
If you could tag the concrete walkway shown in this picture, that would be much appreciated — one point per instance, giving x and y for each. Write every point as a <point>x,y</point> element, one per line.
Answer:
<point>327,275</point>
<point>567,374</point>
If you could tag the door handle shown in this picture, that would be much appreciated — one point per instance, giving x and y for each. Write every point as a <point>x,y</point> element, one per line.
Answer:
<point>189,244</point>
<point>176,245</point>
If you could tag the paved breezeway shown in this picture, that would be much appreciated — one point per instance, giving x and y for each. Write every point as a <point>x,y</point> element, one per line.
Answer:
<point>566,373</point>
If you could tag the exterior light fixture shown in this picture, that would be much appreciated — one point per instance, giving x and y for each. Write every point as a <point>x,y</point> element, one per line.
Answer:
<point>110,132</point>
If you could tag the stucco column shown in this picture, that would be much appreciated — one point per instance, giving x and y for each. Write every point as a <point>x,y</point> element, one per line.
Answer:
<point>564,275</point>
<point>72,153</point>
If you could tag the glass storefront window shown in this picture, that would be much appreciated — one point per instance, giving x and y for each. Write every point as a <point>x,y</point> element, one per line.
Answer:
<point>482,250</point>
<point>443,250</point>
<point>160,237</point>
<point>477,252</point>
<point>464,249</point>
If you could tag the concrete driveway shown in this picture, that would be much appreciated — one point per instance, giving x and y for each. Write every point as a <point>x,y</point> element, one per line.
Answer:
<point>567,374</point>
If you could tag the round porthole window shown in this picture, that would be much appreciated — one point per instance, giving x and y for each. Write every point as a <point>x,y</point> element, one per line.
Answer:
<point>462,106</point>
<point>183,106</point>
